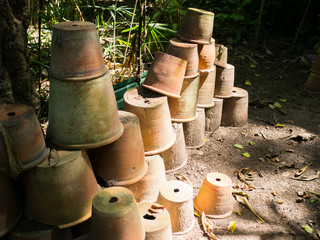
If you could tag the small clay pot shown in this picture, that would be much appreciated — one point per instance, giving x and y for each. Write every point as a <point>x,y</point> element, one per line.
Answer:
<point>122,161</point>
<point>176,156</point>
<point>115,215</point>
<point>76,53</point>
<point>154,116</point>
<point>213,115</point>
<point>59,191</point>
<point>207,55</point>
<point>197,26</point>
<point>221,56</point>
<point>215,196</point>
<point>165,75</point>
<point>184,109</point>
<point>22,144</point>
<point>83,114</point>
<point>156,221</point>
<point>31,230</point>
<point>194,132</point>
<point>147,188</point>
<point>315,67</point>
<point>235,109</point>
<point>10,205</point>
<point>313,83</point>
<point>188,52</point>
<point>224,82</point>
<point>177,197</point>
<point>206,89</point>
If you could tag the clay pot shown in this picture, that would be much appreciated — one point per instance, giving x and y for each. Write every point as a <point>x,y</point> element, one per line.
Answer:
<point>22,145</point>
<point>83,114</point>
<point>235,109</point>
<point>31,230</point>
<point>165,75</point>
<point>115,215</point>
<point>213,115</point>
<point>122,161</point>
<point>184,109</point>
<point>313,83</point>
<point>215,196</point>
<point>177,197</point>
<point>156,221</point>
<point>206,89</point>
<point>10,206</point>
<point>197,26</point>
<point>59,191</point>
<point>81,229</point>
<point>224,82</point>
<point>76,53</point>
<point>207,55</point>
<point>154,116</point>
<point>188,52</point>
<point>194,132</point>
<point>176,156</point>
<point>315,67</point>
<point>147,188</point>
<point>221,56</point>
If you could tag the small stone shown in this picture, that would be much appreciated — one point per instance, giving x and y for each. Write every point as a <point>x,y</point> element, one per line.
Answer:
<point>301,193</point>
<point>280,201</point>
<point>273,193</point>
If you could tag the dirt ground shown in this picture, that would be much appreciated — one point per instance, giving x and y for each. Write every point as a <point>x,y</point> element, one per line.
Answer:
<point>274,157</point>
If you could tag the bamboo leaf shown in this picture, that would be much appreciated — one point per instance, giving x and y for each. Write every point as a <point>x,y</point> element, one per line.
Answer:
<point>238,146</point>
<point>307,228</point>
<point>246,154</point>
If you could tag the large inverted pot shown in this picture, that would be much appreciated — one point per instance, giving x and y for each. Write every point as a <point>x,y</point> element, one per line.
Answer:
<point>197,26</point>
<point>153,112</point>
<point>83,114</point>
<point>22,144</point>
<point>188,52</point>
<point>165,75</point>
<point>313,83</point>
<point>10,206</point>
<point>76,52</point>
<point>184,109</point>
<point>115,215</point>
<point>206,89</point>
<point>207,55</point>
<point>122,161</point>
<point>59,191</point>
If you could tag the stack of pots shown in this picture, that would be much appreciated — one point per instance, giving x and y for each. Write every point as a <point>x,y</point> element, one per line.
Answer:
<point>313,82</point>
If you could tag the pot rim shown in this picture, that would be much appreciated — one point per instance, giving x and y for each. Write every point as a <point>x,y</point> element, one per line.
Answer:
<point>210,215</point>
<point>169,94</point>
<point>164,148</point>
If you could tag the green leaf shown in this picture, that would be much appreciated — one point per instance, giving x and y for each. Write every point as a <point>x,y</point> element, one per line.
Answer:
<point>282,100</point>
<point>278,105</point>
<point>271,106</point>
<point>313,201</point>
<point>251,143</point>
<point>232,226</point>
<point>307,228</point>
<point>248,83</point>
<point>252,65</point>
<point>238,146</point>
<point>246,154</point>
<point>318,234</point>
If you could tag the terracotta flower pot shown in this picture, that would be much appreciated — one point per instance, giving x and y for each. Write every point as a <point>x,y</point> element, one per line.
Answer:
<point>194,132</point>
<point>197,26</point>
<point>76,53</point>
<point>83,114</point>
<point>156,221</point>
<point>315,67</point>
<point>184,109</point>
<point>221,56</point>
<point>313,83</point>
<point>115,216</point>
<point>147,188</point>
<point>188,52</point>
<point>59,191</point>
<point>165,75</point>
<point>177,197</point>
<point>10,205</point>
<point>31,230</point>
<point>235,109</point>
<point>153,112</point>
<point>224,82</point>
<point>215,196</point>
<point>176,156</point>
<point>213,115</point>
<point>81,229</point>
<point>207,55</point>
<point>22,145</point>
<point>122,161</point>
<point>206,89</point>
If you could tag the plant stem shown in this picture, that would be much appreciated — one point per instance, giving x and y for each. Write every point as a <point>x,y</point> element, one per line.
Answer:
<point>114,34</point>
<point>317,194</point>
<point>259,23</point>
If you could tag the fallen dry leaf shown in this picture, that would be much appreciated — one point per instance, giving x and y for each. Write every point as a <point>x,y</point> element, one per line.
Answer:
<point>207,226</point>
<point>280,201</point>
<point>273,193</point>
<point>302,170</point>
<point>307,178</point>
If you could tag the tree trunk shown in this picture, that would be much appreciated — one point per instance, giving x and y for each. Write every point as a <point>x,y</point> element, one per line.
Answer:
<point>16,83</point>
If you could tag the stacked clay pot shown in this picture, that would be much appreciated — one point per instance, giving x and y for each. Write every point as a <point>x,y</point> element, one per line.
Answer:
<point>313,82</point>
